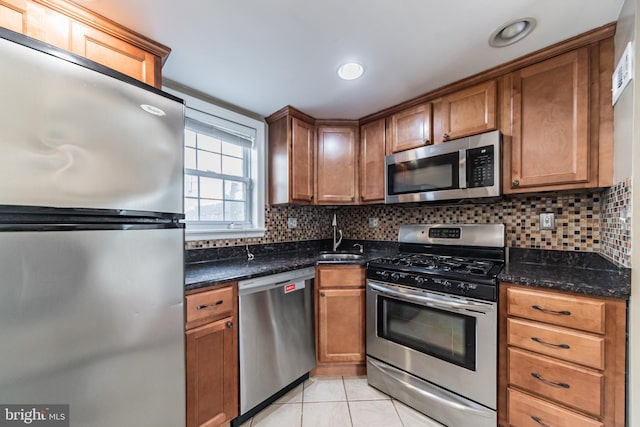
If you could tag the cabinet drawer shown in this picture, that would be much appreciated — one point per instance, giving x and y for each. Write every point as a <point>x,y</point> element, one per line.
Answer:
<point>209,306</point>
<point>527,411</point>
<point>569,384</point>
<point>564,310</point>
<point>340,277</point>
<point>558,342</point>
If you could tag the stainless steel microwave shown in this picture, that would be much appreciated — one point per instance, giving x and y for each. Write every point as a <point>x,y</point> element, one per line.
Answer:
<point>464,168</point>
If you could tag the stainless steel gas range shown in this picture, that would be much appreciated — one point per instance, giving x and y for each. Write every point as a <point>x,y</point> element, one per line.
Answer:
<point>432,321</point>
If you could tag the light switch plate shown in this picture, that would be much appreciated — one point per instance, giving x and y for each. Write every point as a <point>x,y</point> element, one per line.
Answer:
<point>292,222</point>
<point>547,221</point>
<point>374,222</point>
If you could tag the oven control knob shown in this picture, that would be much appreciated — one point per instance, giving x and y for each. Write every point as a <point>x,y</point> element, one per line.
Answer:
<point>419,280</point>
<point>384,275</point>
<point>395,276</point>
<point>446,284</point>
<point>463,287</point>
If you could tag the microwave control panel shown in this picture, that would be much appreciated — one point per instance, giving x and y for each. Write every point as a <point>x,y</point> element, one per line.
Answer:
<point>480,166</point>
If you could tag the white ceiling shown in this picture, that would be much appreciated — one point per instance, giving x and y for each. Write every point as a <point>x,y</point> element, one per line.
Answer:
<point>261,55</point>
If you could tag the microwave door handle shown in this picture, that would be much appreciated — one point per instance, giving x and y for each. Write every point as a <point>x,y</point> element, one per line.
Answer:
<point>462,166</point>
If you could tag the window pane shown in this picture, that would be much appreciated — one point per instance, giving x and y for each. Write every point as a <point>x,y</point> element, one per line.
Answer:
<point>234,190</point>
<point>189,138</point>
<point>191,209</point>
<point>208,161</point>
<point>211,210</point>
<point>211,188</point>
<point>232,166</point>
<point>232,149</point>
<point>190,158</point>
<point>234,211</point>
<point>206,142</point>
<point>190,186</point>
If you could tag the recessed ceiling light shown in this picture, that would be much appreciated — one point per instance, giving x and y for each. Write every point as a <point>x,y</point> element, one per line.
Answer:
<point>350,71</point>
<point>511,32</point>
<point>152,110</point>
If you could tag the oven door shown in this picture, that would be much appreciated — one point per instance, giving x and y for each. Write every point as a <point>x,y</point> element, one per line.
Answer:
<point>448,340</point>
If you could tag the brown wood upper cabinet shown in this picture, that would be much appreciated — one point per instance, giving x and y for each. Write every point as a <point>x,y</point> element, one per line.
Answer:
<point>69,26</point>
<point>560,112</point>
<point>336,166</point>
<point>410,128</point>
<point>291,157</point>
<point>465,112</point>
<point>372,152</point>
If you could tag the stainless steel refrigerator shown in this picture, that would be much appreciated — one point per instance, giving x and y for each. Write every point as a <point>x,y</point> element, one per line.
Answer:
<point>91,246</point>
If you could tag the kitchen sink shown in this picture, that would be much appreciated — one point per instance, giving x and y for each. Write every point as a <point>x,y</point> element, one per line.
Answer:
<point>339,256</point>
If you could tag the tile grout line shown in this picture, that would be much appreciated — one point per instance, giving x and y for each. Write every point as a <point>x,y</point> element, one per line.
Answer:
<point>348,403</point>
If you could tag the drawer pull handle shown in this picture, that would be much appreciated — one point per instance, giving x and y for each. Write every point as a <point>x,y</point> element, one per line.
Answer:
<point>546,310</point>
<point>546,381</point>
<point>539,421</point>
<point>539,341</point>
<point>203,307</point>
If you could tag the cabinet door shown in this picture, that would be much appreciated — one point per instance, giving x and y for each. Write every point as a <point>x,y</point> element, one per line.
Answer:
<point>337,172</point>
<point>302,161</point>
<point>34,20</point>
<point>114,53</point>
<point>13,15</point>
<point>212,373</point>
<point>466,112</point>
<point>372,151</point>
<point>411,128</point>
<point>550,141</point>
<point>341,333</point>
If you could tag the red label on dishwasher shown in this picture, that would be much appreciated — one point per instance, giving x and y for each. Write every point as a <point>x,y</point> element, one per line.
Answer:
<point>289,288</point>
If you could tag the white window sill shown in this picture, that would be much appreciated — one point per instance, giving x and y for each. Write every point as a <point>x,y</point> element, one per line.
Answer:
<point>217,234</point>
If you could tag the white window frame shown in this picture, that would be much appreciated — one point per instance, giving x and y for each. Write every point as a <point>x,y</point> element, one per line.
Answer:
<point>229,119</point>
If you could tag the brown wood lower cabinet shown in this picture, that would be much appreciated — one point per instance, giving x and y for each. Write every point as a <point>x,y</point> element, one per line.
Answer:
<point>340,314</point>
<point>562,359</point>
<point>212,358</point>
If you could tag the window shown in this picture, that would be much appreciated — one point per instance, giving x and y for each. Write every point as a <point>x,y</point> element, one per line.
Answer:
<point>223,172</point>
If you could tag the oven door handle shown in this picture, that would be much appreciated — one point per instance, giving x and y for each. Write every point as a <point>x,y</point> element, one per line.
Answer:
<point>433,301</point>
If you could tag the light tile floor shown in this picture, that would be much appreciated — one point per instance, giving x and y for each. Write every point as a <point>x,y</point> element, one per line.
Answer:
<point>338,402</point>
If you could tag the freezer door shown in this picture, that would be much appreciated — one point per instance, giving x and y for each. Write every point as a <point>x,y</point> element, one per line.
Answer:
<point>72,137</point>
<point>94,319</point>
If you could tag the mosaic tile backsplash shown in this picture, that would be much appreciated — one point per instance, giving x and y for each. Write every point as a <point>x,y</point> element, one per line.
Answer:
<point>615,223</point>
<point>585,221</point>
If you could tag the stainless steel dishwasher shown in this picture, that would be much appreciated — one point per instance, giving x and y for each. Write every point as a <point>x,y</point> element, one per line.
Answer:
<point>277,344</point>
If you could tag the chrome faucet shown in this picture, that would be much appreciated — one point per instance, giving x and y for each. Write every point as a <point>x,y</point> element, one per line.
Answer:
<point>359,246</point>
<point>334,224</point>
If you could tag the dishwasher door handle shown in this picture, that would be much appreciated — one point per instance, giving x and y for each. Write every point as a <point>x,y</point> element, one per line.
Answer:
<point>265,283</point>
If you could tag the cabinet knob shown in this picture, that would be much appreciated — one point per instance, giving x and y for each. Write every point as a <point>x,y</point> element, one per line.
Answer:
<point>515,182</point>
<point>445,136</point>
<point>229,325</point>
<point>353,198</point>
<point>322,294</point>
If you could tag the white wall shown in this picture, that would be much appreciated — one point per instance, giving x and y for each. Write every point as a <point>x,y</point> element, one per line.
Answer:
<point>627,148</point>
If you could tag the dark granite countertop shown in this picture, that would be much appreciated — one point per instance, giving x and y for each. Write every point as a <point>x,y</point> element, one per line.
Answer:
<point>584,273</point>
<point>217,266</point>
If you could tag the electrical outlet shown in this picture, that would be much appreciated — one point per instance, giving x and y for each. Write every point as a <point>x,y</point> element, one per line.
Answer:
<point>374,222</point>
<point>292,222</point>
<point>547,221</point>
